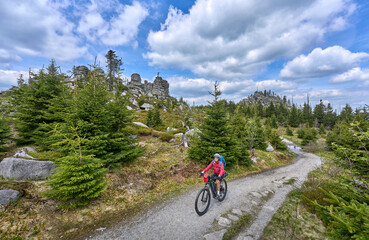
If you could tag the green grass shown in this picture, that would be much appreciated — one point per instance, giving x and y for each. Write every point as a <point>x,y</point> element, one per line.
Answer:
<point>237,226</point>
<point>294,221</point>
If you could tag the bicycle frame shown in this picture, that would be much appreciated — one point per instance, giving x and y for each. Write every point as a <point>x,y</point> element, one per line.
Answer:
<point>212,186</point>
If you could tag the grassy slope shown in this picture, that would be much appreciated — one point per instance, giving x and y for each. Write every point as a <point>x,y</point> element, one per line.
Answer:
<point>163,171</point>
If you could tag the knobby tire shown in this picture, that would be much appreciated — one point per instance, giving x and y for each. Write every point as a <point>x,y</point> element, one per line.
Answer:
<point>203,195</point>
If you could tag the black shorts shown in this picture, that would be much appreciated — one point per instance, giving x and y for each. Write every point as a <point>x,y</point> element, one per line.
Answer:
<point>216,177</point>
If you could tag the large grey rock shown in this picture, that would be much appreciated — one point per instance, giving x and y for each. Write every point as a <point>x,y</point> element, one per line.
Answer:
<point>269,148</point>
<point>23,152</point>
<point>24,169</point>
<point>8,195</point>
<point>140,124</point>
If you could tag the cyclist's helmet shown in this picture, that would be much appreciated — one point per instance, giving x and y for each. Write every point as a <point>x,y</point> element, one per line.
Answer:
<point>217,155</point>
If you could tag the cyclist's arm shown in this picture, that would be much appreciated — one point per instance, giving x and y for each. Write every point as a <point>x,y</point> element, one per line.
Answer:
<point>208,167</point>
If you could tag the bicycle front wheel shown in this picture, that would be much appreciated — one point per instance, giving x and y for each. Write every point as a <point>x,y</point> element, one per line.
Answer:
<point>202,201</point>
<point>223,190</point>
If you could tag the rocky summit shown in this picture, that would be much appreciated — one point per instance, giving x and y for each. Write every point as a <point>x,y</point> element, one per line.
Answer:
<point>265,98</point>
<point>159,87</point>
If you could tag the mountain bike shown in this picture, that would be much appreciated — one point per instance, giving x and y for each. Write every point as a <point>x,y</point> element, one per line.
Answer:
<point>202,201</point>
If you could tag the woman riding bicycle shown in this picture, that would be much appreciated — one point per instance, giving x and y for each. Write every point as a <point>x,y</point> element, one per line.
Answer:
<point>218,171</point>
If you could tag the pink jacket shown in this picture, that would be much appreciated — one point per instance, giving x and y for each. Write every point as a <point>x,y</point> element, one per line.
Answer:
<point>217,170</point>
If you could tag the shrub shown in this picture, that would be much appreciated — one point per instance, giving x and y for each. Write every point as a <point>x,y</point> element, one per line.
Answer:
<point>163,136</point>
<point>144,131</point>
<point>77,181</point>
<point>289,132</point>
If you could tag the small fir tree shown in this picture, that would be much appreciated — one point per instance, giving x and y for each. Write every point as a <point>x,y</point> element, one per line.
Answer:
<point>276,141</point>
<point>322,129</point>
<point>78,178</point>
<point>214,136</point>
<point>289,132</point>
<point>293,119</point>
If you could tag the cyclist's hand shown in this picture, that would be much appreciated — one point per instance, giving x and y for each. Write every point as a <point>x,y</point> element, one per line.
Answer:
<point>202,174</point>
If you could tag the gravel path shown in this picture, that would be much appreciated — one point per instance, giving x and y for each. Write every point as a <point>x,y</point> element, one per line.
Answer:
<point>176,218</point>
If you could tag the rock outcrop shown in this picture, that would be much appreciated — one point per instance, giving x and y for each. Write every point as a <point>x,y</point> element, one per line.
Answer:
<point>159,87</point>
<point>265,98</point>
<point>24,169</point>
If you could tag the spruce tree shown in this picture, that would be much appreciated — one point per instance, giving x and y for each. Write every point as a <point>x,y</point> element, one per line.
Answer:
<point>78,178</point>
<point>4,134</point>
<point>101,117</point>
<point>346,114</point>
<point>289,131</point>
<point>214,136</point>
<point>149,118</point>
<point>319,112</point>
<point>238,133</point>
<point>32,102</point>
<point>293,119</point>
<point>276,141</point>
<point>255,135</point>
<point>307,115</point>
<point>113,65</point>
<point>329,118</point>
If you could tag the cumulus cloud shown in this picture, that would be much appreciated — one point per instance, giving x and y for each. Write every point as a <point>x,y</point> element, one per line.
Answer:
<point>322,63</point>
<point>9,77</point>
<point>37,28</point>
<point>60,29</point>
<point>119,30</point>
<point>234,39</point>
<point>353,75</point>
<point>197,89</point>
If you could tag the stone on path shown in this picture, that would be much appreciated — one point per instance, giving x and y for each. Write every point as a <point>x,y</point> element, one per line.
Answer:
<point>215,235</point>
<point>24,169</point>
<point>224,222</point>
<point>8,195</point>
<point>233,217</point>
<point>237,211</point>
<point>255,194</point>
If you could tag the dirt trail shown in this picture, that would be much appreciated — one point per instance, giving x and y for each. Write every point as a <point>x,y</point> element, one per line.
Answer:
<point>176,218</point>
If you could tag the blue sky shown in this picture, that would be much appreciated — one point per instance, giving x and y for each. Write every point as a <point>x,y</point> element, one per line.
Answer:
<point>295,48</point>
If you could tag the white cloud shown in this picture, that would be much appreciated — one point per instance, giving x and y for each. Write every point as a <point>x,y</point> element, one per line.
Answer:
<point>234,39</point>
<point>354,74</point>
<point>119,30</point>
<point>9,78</point>
<point>197,90</point>
<point>6,56</point>
<point>322,63</point>
<point>37,28</point>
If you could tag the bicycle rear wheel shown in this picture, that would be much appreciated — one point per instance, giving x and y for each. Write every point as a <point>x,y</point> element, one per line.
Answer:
<point>202,201</point>
<point>223,190</point>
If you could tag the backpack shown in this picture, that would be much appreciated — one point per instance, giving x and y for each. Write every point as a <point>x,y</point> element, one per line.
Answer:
<point>222,161</point>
